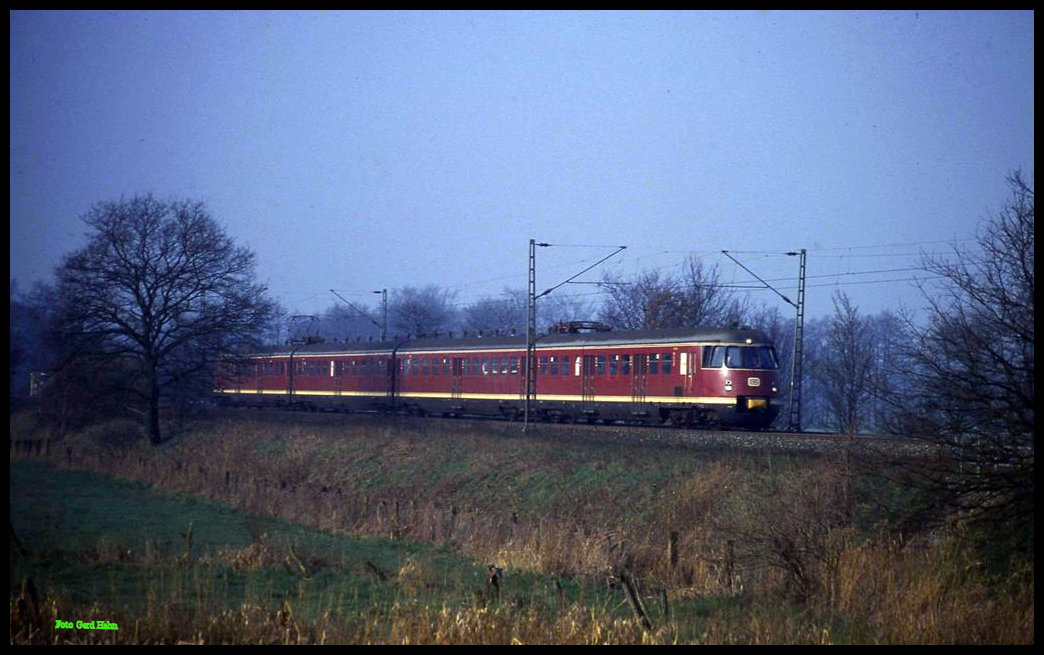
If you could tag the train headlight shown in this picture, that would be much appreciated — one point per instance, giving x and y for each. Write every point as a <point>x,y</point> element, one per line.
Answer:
<point>728,385</point>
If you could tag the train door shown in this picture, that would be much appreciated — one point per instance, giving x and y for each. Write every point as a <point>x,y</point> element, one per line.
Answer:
<point>456,377</point>
<point>686,368</point>
<point>587,382</point>
<point>640,369</point>
<point>337,372</point>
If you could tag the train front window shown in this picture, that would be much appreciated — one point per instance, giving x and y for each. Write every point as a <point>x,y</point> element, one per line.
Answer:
<point>749,357</point>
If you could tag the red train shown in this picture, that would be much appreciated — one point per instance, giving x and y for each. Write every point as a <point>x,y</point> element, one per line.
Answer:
<point>685,377</point>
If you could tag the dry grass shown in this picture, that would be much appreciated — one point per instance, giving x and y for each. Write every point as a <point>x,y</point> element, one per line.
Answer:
<point>782,555</point>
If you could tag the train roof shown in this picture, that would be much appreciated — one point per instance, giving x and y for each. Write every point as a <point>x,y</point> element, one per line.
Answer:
<point>518,341</point>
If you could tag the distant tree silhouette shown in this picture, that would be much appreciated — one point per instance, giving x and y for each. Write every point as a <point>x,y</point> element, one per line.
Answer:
<point>421,310</point>
<point>844,367</point>
<point>651,300</point>
<point>969,372</point>
<point>502,313</point>
<point>160,285</point>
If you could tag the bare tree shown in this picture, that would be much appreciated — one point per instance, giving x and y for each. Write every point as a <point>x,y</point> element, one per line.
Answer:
<point>970,368</point>
<point>505,312</point>
<point>415,311</point>
<point>844,367</point>
<point>652,300</point>
<point>647,301</point>
<point>705,300</point>
<point>159,284</point>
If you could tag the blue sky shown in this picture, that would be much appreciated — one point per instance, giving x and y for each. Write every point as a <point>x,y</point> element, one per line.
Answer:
<point>368,150</point>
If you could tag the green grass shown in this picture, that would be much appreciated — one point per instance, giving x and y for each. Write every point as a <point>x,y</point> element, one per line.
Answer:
<point>95,539</point>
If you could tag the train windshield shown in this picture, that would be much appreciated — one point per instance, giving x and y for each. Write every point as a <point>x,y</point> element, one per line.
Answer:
<point>756,357</point>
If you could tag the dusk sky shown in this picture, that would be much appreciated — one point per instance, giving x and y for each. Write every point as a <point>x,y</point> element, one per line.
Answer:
<point>364,150</point>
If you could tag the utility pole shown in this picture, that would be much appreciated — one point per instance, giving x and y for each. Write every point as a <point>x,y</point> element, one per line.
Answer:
<point>384,322</point>
<point>799,335</point>
<point>530,383</point>
<point>531,333</point>
<point>799,349</point>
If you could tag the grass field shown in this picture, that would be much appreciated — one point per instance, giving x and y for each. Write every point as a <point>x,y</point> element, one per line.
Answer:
<point>250,528</point>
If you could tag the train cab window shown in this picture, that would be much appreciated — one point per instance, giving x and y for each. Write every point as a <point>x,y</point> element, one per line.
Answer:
<point>713,356</point>
<point>654,363</point>
<point>752,357</point>
<point>625,364</point>
<point>667,363</point>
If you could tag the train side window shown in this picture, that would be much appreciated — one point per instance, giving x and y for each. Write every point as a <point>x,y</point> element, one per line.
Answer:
<point>600,365</point>
<point>554,365</point>
<point>543,365</point>
<point>667,363</point>
<point>565,365</point>
<point>514,366</point>
<point>712,354</point>
<point>503,365</point>
<point>614,365</point>
<point>654,363</point>
<point>625,365</point>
